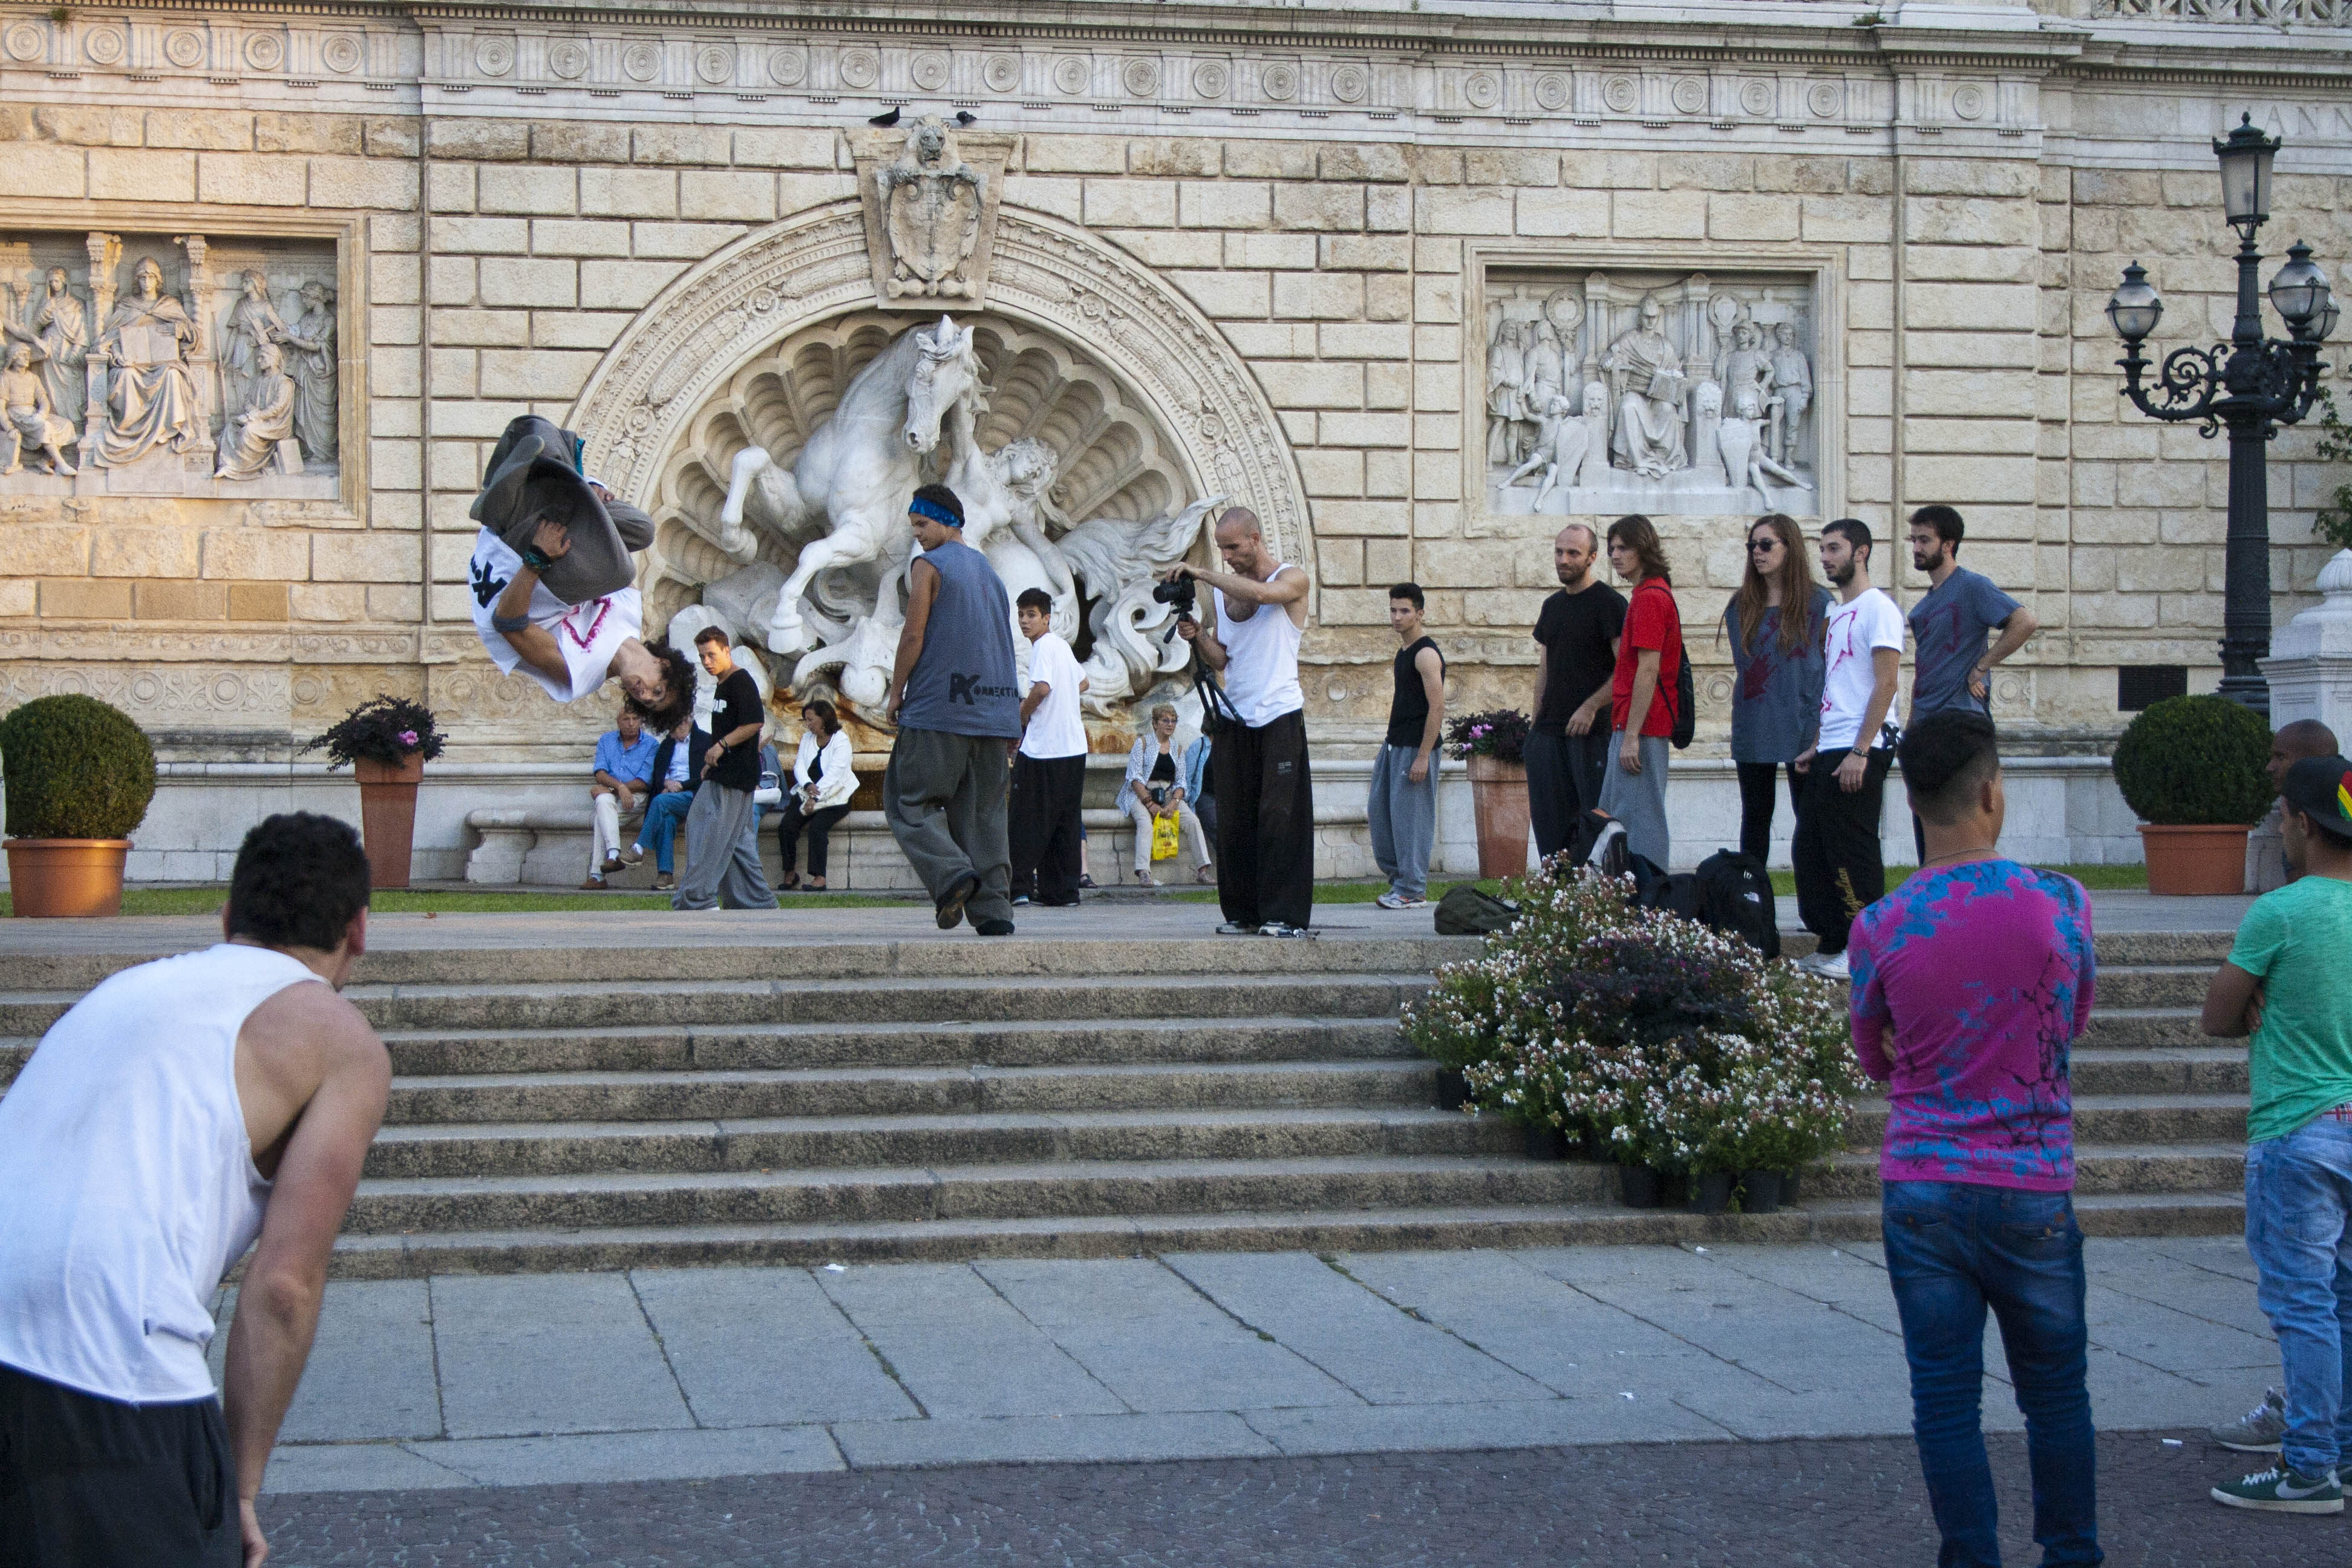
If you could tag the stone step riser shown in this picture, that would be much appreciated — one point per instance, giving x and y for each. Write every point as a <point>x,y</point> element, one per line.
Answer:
<point>1066,1044</point>
<point>2118,1125</point>
<point>2225,1075</point>
<point>558,964</point>
<point>770,1002</point>
<point>927,1094</point>
<point>385,1258</point>
<point>2172,1030</point>
<point>928,1144</point>
<point>2129,987</point>
<point>866,1198</point>
<point>2093,1173</point>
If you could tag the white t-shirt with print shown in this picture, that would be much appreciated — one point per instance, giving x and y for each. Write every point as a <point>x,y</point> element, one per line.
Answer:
<point>588,634</point>
<point>1054,729</point>
<point>1870,621</point>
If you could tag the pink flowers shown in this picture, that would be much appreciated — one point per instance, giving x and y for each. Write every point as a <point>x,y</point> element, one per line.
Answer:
<point>407,737</point>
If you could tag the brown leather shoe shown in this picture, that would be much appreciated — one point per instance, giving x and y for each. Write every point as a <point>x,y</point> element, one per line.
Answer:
<point>593,885</point>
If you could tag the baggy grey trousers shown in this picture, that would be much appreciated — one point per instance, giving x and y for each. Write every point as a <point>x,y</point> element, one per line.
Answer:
<point>944,797</point>
<point>1402,816</point>
<point>722,853</point>
<point>1639,800</point>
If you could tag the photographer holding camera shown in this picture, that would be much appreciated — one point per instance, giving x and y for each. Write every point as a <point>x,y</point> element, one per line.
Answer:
<point>1266,838</point>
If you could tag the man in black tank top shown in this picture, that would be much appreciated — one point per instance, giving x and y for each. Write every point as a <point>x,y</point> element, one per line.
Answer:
<point>1403,808</point>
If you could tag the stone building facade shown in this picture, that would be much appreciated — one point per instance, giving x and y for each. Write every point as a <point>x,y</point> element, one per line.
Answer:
<point>1335,261</point>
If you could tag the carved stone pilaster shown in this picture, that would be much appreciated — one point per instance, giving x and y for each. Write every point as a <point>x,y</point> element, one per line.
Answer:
<point>105,261</point>
<point>200,357</point>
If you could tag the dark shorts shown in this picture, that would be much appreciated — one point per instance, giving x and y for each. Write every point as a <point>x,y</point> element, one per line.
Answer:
<point>87,1483</point>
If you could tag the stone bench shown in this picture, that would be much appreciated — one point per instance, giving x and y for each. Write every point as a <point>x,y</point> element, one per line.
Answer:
<point>548,846</point>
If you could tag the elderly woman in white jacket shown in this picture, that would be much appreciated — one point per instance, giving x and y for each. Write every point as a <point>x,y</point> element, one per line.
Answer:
<point>1154,787</point>
<point>822,786</point>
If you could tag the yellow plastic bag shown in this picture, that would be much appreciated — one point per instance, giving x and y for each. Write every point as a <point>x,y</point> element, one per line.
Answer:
<point>1163,837</point>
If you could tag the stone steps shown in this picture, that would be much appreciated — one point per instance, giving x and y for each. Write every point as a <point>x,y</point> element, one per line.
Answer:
<point>2127,1118</point>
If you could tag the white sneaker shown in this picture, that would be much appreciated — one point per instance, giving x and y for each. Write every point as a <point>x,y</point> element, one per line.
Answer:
<point>1396,901</point>
<point>1832,966</point>
<point>1276,928</point>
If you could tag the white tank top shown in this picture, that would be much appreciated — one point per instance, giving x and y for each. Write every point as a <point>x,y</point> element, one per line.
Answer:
<point>129,1177</point>
<point>1261,660</point>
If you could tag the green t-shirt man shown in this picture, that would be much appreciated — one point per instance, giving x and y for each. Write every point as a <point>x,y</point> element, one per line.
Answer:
<point>2296,942</point>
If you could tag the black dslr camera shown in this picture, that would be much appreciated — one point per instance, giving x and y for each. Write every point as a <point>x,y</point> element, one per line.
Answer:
<point>1180,592</point>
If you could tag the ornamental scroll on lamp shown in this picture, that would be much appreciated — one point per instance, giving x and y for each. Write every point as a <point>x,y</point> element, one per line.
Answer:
<point>930,193</point>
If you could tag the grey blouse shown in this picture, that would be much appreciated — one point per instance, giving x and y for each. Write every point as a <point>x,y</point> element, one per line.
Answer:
<point>1776,700</point>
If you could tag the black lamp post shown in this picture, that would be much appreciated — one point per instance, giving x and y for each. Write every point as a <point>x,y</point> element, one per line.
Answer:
<point>2250,384</point>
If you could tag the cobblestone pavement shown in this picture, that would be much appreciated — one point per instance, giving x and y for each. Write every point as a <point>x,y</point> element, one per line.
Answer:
<point>1835,1501</point>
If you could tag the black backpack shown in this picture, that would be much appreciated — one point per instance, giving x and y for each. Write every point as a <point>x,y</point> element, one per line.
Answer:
<point>1735,897</point>
<point>1685,700</point>
<point>1676,893</point>
<point>1466,911</point>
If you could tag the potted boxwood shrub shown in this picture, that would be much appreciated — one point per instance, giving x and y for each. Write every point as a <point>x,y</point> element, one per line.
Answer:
<point>386,741</point>
<point>2191,769</point>
<point>80,776</point>
<point>1495,745</point>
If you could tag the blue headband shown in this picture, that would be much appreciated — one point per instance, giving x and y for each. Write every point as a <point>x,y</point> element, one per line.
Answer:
<point>935,512</point>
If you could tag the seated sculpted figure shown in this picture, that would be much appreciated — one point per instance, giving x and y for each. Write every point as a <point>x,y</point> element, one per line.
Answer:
<point>1648,370</point>
<point>31,421</point>
<point>253,433</point>
<point>1745,461</point>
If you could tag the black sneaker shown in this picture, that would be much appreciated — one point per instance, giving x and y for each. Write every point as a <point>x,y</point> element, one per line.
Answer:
<point>950,909</point>
<point>993,927</point>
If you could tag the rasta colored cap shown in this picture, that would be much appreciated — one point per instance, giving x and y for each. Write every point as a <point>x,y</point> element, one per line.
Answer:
<point>2321,788</point>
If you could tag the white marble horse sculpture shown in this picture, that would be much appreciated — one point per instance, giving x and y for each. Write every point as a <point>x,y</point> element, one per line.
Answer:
<point>855,472</point>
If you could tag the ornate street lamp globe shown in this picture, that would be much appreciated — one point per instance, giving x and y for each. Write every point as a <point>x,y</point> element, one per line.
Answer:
<point>2325,327</point>
<point>2134,307</point>
<point>2299,293</point>
<point>2246,174</point>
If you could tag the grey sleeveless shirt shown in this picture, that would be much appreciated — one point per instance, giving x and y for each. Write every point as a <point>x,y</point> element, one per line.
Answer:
<point>964,681</point>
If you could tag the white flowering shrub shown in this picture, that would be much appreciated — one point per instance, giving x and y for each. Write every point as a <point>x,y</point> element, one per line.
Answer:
<point>1657,1041</point>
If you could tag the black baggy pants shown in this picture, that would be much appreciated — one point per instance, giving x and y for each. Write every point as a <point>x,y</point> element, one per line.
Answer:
<point>87,1483</point>
<point>1047,856</point>
<point>1564,777</point>
<point>1265,822</point>
<point>1840,870</point>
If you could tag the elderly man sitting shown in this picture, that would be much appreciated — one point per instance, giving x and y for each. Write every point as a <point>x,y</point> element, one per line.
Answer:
<point>623,778</point>
<point>1155,786</point>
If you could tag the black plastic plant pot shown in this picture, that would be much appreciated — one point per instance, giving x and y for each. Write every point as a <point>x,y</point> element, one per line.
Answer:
<point>1453,1089</point>
<point>1545,1141</point>
<point>1640,1187</point>
<point>1711,1191</point>
<point>1760,1192</point>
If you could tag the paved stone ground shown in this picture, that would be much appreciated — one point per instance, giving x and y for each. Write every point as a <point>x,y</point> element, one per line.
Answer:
<point>463,1381</point>
<point>1848,1502</point>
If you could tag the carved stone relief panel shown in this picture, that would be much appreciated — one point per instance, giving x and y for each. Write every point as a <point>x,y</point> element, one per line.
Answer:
<point>930,193</point>
<point>160,364</point>
<point>1664,392</point>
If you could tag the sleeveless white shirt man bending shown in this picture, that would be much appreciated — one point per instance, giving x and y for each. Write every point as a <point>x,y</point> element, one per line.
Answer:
<point>1266,796</point>
<point>181,1113</point>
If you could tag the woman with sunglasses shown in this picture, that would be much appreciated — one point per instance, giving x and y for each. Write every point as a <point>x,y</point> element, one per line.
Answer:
<point>1777,650</point>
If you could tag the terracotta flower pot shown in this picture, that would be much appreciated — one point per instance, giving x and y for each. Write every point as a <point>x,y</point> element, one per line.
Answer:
<point>53,877</point>
<point>1498,795</point>
<point>388,816</point>
<point>2194,860</point>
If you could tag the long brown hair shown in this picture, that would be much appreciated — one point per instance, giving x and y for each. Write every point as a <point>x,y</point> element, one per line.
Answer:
<point>1796,587</point>
<point>1636,533</point>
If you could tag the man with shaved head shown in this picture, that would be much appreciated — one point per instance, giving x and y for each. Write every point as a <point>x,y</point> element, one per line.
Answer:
<point>1568,752</point>
<point>2267,867</point>
<point>1266,797</point>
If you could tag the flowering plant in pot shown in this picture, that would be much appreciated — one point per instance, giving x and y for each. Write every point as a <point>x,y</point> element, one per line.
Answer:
<point>2191,769</point>
<point>386,741</point>
<point>1495,745</point>
<point>80,775</point>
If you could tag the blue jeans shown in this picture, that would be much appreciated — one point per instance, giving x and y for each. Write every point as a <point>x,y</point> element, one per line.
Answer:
<point>664,813</point>
<point>2298,1194</point>
<point>1953,1249</point>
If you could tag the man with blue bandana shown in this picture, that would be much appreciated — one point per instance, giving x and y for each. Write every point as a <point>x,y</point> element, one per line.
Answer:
<point>956,701</point>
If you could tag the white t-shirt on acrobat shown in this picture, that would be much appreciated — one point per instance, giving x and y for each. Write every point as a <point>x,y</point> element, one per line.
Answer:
<point>588,634</point>
<point>1870,621</point>
<point>1054,729</point>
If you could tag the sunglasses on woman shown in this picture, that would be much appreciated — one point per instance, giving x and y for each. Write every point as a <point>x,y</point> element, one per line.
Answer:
<point>1762,547</point>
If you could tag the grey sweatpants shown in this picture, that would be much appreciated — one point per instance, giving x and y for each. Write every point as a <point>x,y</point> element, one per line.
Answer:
<point>943,795</point>
<point>722,853</point>
<point>1639,800</point>
<point>1403,815</point>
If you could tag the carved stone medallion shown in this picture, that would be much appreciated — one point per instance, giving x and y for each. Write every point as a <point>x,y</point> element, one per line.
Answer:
<point>930,195</point>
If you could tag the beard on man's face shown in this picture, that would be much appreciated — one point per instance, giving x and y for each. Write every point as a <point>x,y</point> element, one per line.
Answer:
<point>1841,574</point>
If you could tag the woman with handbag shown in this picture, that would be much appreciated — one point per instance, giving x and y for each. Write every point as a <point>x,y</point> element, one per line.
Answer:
<point>1153,792</point>
<point>819,797</point>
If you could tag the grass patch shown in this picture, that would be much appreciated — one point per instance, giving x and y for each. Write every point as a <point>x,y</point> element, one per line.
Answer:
<point>429,901</point>
<point>2098,879</point>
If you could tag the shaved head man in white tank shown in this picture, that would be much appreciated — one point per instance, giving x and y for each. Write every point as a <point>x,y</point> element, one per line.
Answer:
<point>183,1111</point>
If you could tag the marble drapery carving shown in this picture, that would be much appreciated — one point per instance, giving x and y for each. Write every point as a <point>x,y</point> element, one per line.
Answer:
<point>57,331</point>
<point>1622,396</point>
<point>254,434</point>
<point>252,321</point>
<point>311,362</point>
<point>150,402</point>
<point>30,420</point>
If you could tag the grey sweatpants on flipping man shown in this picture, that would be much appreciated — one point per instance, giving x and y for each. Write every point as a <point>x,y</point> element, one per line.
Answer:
<point>1402,816</point>
<point>944,797</point>
<point>1639,800</point>
<point>722,853</point>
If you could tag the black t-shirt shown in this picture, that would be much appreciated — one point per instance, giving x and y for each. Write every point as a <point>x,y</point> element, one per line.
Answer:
<point>1164,770</point>
<point>1575,630</point>
<point>1409,709</point>
<point>738,704</point>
